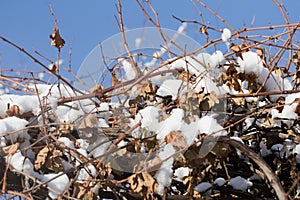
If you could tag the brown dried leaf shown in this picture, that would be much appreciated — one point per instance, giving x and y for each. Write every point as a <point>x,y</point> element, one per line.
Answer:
<point>237,50</point>
<point>143,183</point>
<point>296,58</point>
<point>56,39</point>
<point>177,139</point>
<point>203,30</point>
<point>11,149</point>
<point>96,88</point>
<point>13,111</point>
<point>41,158</point>
<point>260,52</point>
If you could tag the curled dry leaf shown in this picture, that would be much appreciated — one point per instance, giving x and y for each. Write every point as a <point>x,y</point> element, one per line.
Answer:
<point>296,58</point>
<point>203,30</point>
<point>49,157</point>
<point>41,158</point>
<point>13,111</point>
<point>143,183</point>
<point>56,40</point>
<point>177,139</point>
<point>11,149</point>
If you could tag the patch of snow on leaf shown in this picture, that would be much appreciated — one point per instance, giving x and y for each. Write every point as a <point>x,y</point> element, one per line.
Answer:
<point>181,173</point>
<point>58,184</point>
<point>170,87</point>
<point>149,118</point>
<point>20,163</point>
<point>164,174</point>
<point>172,123</point>
<point>209,125</point>
<point>202,187</point>
<point>220,181</point>
<point>240,183</point>
<point>85,172</point>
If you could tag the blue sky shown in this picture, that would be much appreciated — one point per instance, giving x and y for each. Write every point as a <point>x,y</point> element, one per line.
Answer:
<point>83,24</point>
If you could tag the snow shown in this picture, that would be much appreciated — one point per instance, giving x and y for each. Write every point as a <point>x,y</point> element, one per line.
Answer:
<point>288,111</point>
<point>126,65</point>
<point>59,183</point>
<point>84,173</point>
<point>15,126</point>
<point>209,125</point>
<point>278,150</point>
<point>26,103</point>
<point>297,149</point>
<point>240,183</point>
<point>149,118</point>
<point>226,35</point>
<point>250,63</point>
<point>20,163</point>
<point>220,181</point>
<point>66,141</point>
<point>172,123</point>
<point>170,87</point>
<point>164,174</point>
<point>202,187</point>
<point>181,173</point>
<point>217,58</point>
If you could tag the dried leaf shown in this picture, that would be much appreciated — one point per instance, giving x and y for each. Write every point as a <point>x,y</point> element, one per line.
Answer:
<point>177,139</point>
<point>41,158</point>
<point>143,183</point>
<point>237,50</point>
<point>96,88</point>
<point>11,149</point>
<point>13,111</point>
<point>261,53</point>
<point>56,39</point>
<point>203,30</point>
<point>296,58</point>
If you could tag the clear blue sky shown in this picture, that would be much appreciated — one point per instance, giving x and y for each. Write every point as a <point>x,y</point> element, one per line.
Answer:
<point>83,24</point>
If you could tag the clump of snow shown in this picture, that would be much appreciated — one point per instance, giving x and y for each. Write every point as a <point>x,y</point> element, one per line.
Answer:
<point>240,183</point>
<point>149,118</point>
<point>26,103</point>
<point>250,63</point>
<point>209,125</point>
<point>220,181</point>
<point>278,150</point>
<point>164,174</point>
<point>126,65</point>
<point>297,151</point>
<point>264,151</point>
<point>59,183</point>
<point>181,173</point>
<point>16,128</point>
<point>226,35</point>
<point>19,162</point>
<point>202,187</point>
<point>288,111</point>
<point>248,122</point>
<point>66,141</point>
<point>172,123</point>
<point>86,172</point>
<point>217,58</point>
<point>170,87</point>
